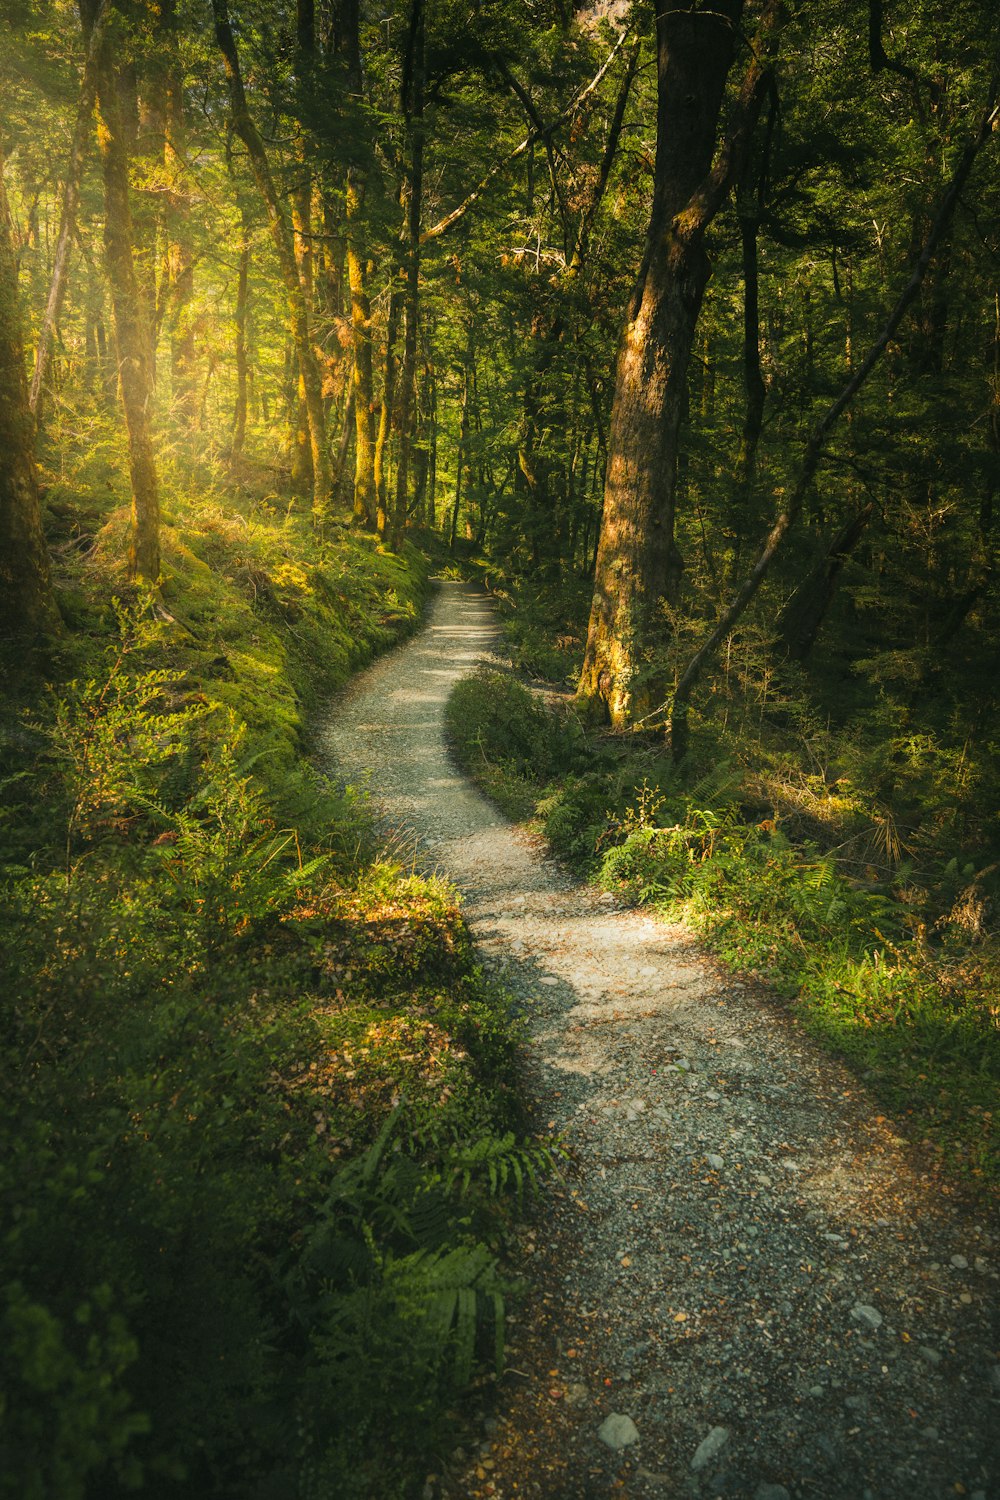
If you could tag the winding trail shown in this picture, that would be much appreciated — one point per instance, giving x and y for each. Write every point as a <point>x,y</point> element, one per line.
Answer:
<point>745,1261</point>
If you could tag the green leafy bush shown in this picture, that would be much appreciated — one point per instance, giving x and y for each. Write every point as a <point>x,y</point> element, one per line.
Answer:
<point>869,952</point>
<point>508,739</point>
<point>212,1001</point>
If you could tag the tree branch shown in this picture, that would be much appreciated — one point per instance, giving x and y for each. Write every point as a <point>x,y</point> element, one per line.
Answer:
<point>709,197</point>
<point>443,225</point>
<point>607,160</point>
<point>817,441</point>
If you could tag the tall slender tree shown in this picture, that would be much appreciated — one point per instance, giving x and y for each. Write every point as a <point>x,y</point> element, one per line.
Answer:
<point>69,205</point>
<point>26,605</point>
<point>133,335</point>
<point>413,114</point>
<point>282,238</point>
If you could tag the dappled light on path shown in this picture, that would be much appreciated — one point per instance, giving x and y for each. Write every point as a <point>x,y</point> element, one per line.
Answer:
<point>744,1260</point>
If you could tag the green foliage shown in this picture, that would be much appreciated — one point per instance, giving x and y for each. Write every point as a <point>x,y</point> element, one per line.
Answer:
<point>897,973</point>
<point>389,1265</point>
<point>64,1410</point>
<point>213,1002</point>
<point>502,733</point>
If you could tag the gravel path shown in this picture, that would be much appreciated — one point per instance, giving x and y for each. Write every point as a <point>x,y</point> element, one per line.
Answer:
<point>748,1285</point>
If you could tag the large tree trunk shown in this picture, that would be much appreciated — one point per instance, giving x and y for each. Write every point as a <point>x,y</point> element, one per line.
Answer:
<point>364,393</point>
<point>68,210</point>
<point>26,606</point>
<point>413,108</point>
<point>281,235</point>
<point>301,207</point>
<point>133,336</point>
<point>637,562</point>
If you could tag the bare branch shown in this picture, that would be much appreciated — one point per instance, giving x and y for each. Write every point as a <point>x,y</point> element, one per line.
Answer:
<point>542,133</point>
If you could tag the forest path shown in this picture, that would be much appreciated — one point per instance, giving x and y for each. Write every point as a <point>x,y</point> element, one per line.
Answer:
<point>745,1267</point>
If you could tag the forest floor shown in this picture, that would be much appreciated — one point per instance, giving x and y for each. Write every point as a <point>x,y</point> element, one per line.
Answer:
<point>745,1283</point>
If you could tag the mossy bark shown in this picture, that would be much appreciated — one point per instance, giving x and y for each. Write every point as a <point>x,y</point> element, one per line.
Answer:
<point>242,360</point>
<point>301,211</point>
<point>638,566</point>
<point>68,209</point>
<point>362,382</point>
<point>385,418</point>
<point>364,398</point>
<point>179,250</point>
<point>413,101</point>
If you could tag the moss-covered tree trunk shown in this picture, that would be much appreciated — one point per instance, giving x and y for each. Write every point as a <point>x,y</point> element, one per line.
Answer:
<point>385,418</point>
<point>637,561</point>
<point>355,251</point>
<point>301,210</point>
<point>26,607</point>
<point>133,337</point>
<point>242,320</point>
<point>364,395</point>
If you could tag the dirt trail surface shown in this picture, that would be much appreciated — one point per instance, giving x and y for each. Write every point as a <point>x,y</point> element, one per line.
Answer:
<point>747,1285</point>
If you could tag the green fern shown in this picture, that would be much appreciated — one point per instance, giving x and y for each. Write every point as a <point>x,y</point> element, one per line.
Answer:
<point>501,1164</point>
<point>456,1295</point>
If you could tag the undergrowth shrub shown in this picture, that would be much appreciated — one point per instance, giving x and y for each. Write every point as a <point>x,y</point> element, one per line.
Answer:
<point>508,739</point>
<point>228,1034</point>
<point>861,976</point>
<point>864,920</point>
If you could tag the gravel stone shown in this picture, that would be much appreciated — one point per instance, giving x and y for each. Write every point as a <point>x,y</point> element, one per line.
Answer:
<point>710,1445</point>
<point>771,1492</point>
<point>618,1431</point>
<point>732,1299</point>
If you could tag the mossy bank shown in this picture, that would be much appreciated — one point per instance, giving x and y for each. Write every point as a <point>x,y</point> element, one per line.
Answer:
<point>894,968</point>
<point>257,1103</point>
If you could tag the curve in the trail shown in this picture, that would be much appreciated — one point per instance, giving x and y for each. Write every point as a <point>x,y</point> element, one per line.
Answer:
<point>746,1268</point>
